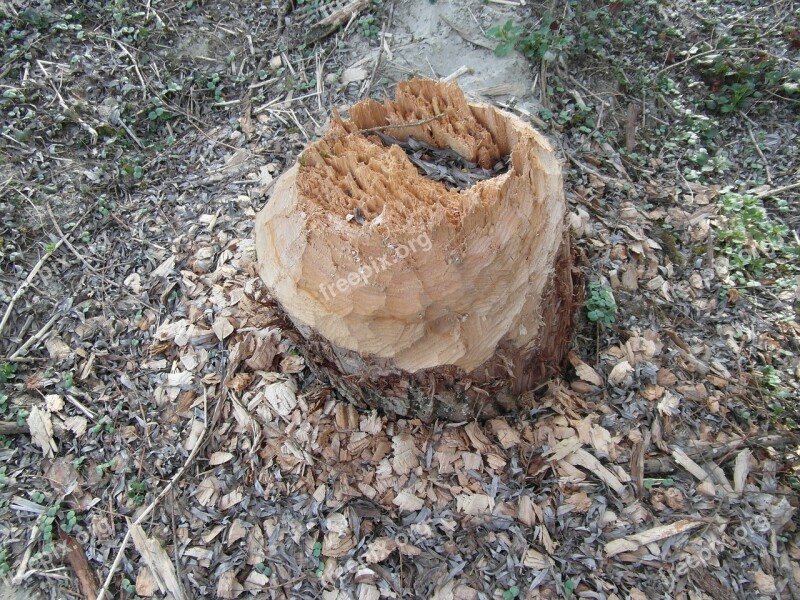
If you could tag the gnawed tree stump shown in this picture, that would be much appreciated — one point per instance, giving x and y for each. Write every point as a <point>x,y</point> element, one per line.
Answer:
<point>424,301</point>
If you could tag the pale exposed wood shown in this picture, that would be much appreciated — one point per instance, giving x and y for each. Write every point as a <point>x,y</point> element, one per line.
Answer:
<point>687,463</point>
<point>631,542</point>
<point>427,277</point>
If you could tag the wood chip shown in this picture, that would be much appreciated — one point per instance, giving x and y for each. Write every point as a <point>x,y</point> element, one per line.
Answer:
<point>282,396</point>
<point>687,463</point>
<point>379,550</point>
<point>408,501</point>
<point>584,371</point>
<point>506,435</point>
<point>581,458</point>
<point>741,470</point>
<point>158,562</point>
<point>631,543</point>
<point>228,587</point>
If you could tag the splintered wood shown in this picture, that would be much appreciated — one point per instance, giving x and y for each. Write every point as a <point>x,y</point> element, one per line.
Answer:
<point>407,290</point>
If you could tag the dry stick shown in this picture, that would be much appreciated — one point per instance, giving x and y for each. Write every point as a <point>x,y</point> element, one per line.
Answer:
<point>36,337</point>
<point>69,245</point>
<point>383,127</point>
<point>12,428</point>
<point>776,191</point>
<point>26,557</point>
<point>719,51</point>
<point>32,275</point>
<point>76,556</point>
<point>760,153</point>
<point>127,53</point>
<point>386,24</point>
<point>630,127</point>
<point>154,503</point>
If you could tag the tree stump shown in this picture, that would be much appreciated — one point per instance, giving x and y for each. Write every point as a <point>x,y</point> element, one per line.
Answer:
<point>423,300</point>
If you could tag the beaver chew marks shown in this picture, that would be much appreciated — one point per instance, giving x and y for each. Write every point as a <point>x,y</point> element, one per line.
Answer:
<point>411,292</point>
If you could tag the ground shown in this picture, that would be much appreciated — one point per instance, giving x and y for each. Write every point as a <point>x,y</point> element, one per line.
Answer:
<point>162,438</point>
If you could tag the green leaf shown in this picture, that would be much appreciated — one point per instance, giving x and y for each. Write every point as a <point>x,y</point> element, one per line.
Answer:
<point>503,49</point>
<point>569,587</point>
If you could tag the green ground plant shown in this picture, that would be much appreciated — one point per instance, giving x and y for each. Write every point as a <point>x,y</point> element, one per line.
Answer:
<point>601,307</point>
<point>757,246</point>
<point>137,491</point>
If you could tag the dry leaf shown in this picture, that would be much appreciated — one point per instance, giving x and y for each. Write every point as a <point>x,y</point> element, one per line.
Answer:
<point>218,458</point>
<point>620,371</point>
<point>41,430</point>
<point>379,550</point>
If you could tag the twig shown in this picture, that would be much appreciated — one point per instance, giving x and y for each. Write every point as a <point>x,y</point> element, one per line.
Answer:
<point>76,556</point>
<point>630,127</point>
<point>720,51</point>
<point>26,557</point>
<point>69,245</point>
<point>135,66</point>
<point>80,407</point>
<point>12,428</point>
<point>665,464</point>
<point>776,191</point>
<point>36,337</point>
<point>467,36</point>
<point>760,153</point>
<point>32,275</point>
<point>386,25</point>
<point>384,127</point>
<point>175,478</point>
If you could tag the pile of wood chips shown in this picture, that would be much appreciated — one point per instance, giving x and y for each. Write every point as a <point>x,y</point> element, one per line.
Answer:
<point>578,488</point>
